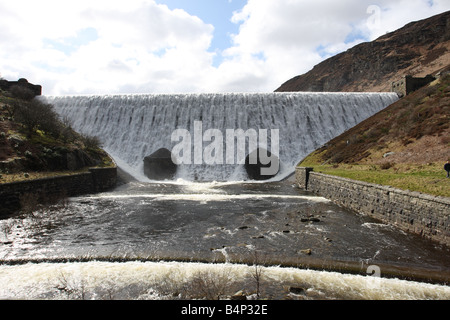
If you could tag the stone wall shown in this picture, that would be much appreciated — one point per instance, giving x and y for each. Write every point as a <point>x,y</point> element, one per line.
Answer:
<point>412,212</point>
<point>103,179</point>
<point>96,180</point>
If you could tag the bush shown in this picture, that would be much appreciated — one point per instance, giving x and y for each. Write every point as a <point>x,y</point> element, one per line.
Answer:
<point>91,142</point>
<point>445,140</point>
<point>386,165</point>
<point>36,115</point>
<point>22,93</point>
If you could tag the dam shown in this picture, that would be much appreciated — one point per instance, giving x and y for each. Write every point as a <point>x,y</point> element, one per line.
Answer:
<point>132,127</point>
<point>210,224</point>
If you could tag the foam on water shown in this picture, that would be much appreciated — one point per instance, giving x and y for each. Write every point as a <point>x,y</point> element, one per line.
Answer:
<point>210,197</point>
<point>149,280</point>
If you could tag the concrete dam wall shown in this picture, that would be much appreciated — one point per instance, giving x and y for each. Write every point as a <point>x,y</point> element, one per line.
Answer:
<point>134,127</point>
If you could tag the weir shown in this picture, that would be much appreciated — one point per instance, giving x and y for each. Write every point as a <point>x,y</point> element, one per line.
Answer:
<point>133,127</point>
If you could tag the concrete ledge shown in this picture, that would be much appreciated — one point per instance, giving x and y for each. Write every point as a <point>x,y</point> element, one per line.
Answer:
<point>96,180</point>
<point>413,212</point>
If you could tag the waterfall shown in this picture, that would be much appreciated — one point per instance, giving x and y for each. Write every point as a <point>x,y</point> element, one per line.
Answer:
<point>132,127</point>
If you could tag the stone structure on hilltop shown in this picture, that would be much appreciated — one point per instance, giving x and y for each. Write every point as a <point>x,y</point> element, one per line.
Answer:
<point>7,85</point>
<point>408,84</point>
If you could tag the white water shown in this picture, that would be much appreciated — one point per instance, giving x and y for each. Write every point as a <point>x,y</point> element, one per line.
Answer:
<point>209,197</point>
<point>154,281</point>
<point>132,127</point>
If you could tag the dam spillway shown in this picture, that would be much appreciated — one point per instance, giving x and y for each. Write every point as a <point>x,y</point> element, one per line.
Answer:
<point>132,127</point>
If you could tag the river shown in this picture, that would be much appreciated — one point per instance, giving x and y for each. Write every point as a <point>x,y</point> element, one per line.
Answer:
<point>157,240</point>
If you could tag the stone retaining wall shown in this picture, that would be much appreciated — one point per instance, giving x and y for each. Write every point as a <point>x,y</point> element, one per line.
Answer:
<point>96,180</point>
<point>413,212</point>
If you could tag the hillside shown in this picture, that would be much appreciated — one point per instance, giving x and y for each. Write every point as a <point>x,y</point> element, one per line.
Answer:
<point>418,49</point>
<point>405,145</point>
<point>34,143</point>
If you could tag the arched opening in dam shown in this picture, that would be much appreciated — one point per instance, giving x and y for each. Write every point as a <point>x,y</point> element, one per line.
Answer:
<point>193,204</point>
<point>159,165</point>
<point>261,164</point>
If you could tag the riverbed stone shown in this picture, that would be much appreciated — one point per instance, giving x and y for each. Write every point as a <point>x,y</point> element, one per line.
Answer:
<point>306,251</point>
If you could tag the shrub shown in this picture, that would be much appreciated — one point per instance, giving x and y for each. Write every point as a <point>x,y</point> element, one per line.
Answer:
<point>22,93</point>
<point>445,140</point>
<point>91,142</point>
<point>386,165</point>
<point>35,115</point>
<point>67,134</point>
<point>208,285</point>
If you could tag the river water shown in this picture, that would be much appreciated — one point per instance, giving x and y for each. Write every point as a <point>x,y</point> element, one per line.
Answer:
<point>172,240</point>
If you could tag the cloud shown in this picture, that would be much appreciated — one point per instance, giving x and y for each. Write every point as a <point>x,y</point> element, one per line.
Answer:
<point>396,14</point>
<point>294,35</point>
<point>103,47</point>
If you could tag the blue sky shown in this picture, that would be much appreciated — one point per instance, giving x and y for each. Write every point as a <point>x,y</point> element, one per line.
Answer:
<point>167,46</point>
<point>215,12</point>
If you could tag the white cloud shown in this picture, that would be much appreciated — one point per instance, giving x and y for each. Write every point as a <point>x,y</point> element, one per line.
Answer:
<point>139,46</point>
<point>107,46</point>
<point>294,35</point>
<point>396,14</point>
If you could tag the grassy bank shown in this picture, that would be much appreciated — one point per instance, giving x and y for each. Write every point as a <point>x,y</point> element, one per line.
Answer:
<point>430,178</point>
<point>16,177</point>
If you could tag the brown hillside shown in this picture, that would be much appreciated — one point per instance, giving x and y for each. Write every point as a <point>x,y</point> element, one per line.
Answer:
<point>404,146</point>
<point>416,129</point>
<point>418,49</point>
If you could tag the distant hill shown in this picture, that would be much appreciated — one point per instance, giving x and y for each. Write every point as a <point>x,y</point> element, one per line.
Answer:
<point>418,49</point>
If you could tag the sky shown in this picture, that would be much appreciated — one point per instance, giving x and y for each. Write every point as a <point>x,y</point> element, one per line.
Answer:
<point>186,46</point>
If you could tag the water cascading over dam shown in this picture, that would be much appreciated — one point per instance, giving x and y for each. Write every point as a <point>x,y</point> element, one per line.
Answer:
<point>133,127</point>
